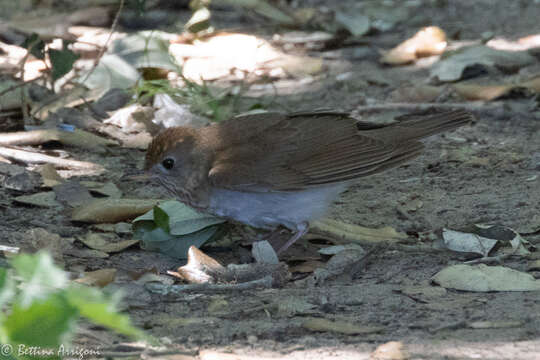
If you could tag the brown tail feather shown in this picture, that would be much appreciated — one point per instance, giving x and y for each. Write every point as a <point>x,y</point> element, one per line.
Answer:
<point>421,127</point>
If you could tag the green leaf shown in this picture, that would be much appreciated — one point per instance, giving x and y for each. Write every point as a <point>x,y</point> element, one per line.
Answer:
<point>40,277</point>
<point>184,220</point>
<point>176,246</point>
<point>35,45</point>
<point>101,310</point>
<point>185,227</point>
<point>62,62</point>
<point>45,323</point>
<point>161,218</point>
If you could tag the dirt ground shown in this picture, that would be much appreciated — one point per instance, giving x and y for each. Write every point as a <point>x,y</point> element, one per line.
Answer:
<point>496,181</point>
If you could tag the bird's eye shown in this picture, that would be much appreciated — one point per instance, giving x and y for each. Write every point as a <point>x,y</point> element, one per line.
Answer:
<point>168,163</point>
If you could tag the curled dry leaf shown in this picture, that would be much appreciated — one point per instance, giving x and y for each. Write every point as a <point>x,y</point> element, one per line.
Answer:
<point>427,42</point>
<point>112,210</point>
<point>343,233</point>
<point>200,268</point>
<point>100,278</point>
<point>467,242</point>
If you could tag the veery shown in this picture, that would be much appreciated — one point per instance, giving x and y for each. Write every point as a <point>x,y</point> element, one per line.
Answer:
<point>273,169</point>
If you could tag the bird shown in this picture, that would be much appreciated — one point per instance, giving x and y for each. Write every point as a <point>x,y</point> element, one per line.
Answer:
<point>271,169</point>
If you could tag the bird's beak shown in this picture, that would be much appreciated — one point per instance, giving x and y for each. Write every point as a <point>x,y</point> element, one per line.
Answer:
<point>139,176</point>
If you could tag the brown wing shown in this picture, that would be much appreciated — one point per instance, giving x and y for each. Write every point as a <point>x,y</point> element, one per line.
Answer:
<point>307,150</point>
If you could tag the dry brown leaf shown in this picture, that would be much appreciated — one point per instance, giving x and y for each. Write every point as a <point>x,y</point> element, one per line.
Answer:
<point>200,268</point>
<point>99,242</point>
<point>482,92</point>
<point>471,91</point>
<point>427,42</point>
<point>112,210</point>
<point>100,278</point>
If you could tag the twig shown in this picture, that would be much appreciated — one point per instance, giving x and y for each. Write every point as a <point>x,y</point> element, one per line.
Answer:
<point>102,51</point>
<point>23,93</point>
<point>79,138</point>
<point>32,158</point>
<point>491,259</point>
<point>265,282</point>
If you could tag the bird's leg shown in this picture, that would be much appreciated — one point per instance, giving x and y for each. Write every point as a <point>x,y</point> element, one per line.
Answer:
<point>301,229</point>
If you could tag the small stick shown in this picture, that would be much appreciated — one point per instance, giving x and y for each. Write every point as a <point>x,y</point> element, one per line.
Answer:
<point>32,157</point>
<point>265,282</point>
<point>102,51</point>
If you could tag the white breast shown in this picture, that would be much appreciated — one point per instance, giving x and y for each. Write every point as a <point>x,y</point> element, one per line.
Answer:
<point>270,209</point>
